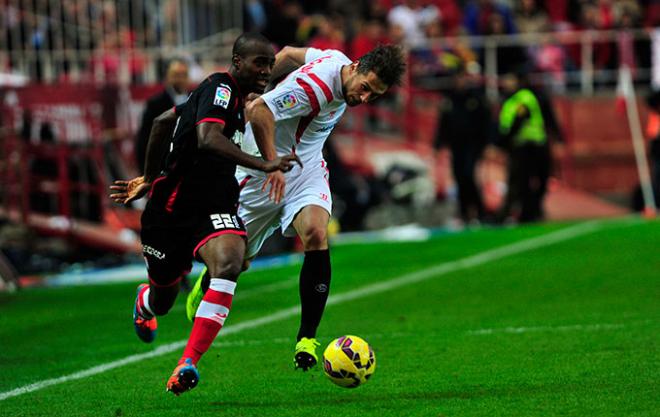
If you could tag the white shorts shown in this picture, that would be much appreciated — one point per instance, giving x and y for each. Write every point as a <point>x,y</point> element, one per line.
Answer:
<point>304,187</point>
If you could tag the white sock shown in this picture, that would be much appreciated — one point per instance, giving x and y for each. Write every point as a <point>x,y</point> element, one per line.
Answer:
<point>145,303</point>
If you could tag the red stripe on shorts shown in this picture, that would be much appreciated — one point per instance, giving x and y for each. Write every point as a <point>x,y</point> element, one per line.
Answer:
<point>215,234</point>
<point>153,185</point>
<point>210,120</point>
<point>244,181</point>
<point>172,198</point>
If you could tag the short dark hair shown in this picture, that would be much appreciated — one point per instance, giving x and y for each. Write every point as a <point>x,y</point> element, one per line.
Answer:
<point>245,41</point>
<point>176,60</point>
<point>386,61</point>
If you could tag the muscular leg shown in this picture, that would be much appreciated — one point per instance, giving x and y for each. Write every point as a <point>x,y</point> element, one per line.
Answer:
<point>311,224</point>
<point>161,298</point>
<point>157,299</point>
<point>223,256</point>
<point>166,264</point>
<point>206,276</point>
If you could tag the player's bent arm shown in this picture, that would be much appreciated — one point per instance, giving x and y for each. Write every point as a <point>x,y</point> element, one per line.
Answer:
<point>291,53</point>
<point>211,138</point>
<point>287,60</point>
<point>263,126</point>
<point>159,139</point>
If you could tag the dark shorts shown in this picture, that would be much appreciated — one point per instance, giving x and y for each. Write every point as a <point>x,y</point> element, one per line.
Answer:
<point>180,217</point>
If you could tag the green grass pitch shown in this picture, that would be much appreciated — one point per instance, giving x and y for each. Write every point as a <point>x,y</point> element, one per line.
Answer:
<point>570,328</point>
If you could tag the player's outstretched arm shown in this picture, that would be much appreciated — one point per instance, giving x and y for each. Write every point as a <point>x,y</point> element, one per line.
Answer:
<point>159,139</point>
<point>122,191</point>
<point>211,138</point>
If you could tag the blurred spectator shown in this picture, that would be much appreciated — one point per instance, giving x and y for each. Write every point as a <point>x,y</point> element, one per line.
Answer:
<point>283,20</point>
<point>255,16</point>
<point>594,16</point>
<point>557,10</point>
<point>315,6</point>
<point>477,18</point>
<point>652,14</point>
<point>117,53</point>
<point>523,133</point>
<point>509,57</point>
<point>451,16</point>
<point>328,33</point>
<point>354,194</point>
<point>530,17</point>
<point>409,19</point>
<point>629,10</point>
<point>174,93</point>
<point>375,9</point>
<point>549,57</point>
<point>633,53</point>
<point>653,134</point>
<point>370,34</point>
<point>465,126</point>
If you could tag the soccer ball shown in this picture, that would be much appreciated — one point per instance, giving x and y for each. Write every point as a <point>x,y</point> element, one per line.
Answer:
<point>349,361</point>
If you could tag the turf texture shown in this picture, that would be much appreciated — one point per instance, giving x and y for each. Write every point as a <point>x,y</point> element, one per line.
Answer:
<point>565,329</point>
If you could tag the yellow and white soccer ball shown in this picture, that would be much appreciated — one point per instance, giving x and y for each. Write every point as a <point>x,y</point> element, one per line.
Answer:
<point>349,361</point>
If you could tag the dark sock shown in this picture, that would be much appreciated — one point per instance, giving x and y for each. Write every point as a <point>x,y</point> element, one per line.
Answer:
<point>314,290</point>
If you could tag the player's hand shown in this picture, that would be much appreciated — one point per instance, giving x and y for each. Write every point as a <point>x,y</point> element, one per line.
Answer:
<point>283,163</point>
<point>123,192</point>
<point>277,182</point>
<point>251,97</point>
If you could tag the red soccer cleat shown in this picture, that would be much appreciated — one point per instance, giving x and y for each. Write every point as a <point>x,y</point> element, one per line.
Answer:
<point>184,378</point>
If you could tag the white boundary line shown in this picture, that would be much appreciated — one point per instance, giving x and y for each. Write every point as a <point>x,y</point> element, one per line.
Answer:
<point>423,275</point>
<point>554,329</point>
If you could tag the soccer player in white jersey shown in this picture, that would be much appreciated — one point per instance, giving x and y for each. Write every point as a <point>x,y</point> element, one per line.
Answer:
<point>298,116</point>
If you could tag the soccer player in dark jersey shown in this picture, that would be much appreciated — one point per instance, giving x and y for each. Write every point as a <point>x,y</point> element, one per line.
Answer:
<point>300,113</point>
<point>193,198</point>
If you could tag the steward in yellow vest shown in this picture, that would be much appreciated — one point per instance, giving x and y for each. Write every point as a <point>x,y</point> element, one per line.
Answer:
<point>522,129</point>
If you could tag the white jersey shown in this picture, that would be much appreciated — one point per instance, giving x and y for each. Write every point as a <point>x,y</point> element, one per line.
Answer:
<point>306,105</point>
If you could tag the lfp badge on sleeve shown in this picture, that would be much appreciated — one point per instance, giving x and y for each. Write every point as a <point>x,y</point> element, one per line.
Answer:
<point>222,95</point>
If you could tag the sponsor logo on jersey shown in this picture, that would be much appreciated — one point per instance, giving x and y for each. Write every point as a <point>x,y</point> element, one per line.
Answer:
<point>286,101</point>
<point>222,95</point>
<point>148,250</point>
<point>325,128</point>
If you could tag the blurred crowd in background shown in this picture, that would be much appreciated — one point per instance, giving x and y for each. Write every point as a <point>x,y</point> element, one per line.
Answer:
<point>106,29</point>
<point>82,80</point>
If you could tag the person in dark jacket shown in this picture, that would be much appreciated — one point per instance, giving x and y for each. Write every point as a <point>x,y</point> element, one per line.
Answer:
<point>174,93</point>
<point>465,126</point>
